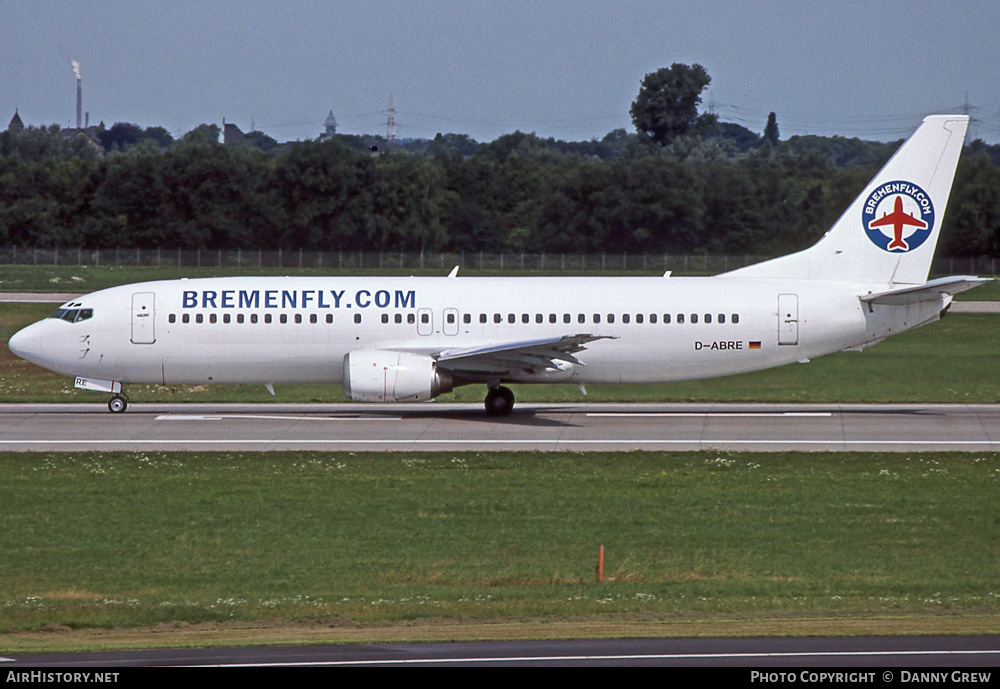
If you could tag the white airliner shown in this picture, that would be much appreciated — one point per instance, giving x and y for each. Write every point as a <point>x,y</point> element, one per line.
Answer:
<point>403,339</point>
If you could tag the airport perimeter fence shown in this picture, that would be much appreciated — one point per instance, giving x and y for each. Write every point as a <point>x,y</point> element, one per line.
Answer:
<point>432,262</point>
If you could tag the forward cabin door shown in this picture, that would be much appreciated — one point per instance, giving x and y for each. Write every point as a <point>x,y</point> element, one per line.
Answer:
<point>143,331</point>
<point>788,319</point>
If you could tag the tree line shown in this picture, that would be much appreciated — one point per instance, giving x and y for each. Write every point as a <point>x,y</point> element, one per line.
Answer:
<point>708,187</point>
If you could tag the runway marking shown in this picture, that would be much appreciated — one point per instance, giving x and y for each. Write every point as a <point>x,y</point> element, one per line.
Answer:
<point>270,417</point>
<point>651,656</point>
<point>707,443</point>
<point>792,414</point>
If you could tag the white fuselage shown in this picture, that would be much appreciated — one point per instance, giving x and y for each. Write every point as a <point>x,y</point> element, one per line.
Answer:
<point>298,329</point>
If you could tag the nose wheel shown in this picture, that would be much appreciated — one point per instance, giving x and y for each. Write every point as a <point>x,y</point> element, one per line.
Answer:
<point>499,401</point>
<point>117,404</point>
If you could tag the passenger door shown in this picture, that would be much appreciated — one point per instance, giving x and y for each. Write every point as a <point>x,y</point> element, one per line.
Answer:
<point>143,309</point>
<point>788,319</point>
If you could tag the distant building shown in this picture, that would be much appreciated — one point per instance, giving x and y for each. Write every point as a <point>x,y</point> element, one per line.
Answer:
<point>230,132</point>
<point>16,124</point>
<point>331,127</point>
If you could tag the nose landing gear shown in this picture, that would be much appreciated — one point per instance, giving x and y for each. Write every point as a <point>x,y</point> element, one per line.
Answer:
<point>118,404</point>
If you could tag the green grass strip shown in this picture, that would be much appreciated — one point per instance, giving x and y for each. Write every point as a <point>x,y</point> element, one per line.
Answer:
<point>137,539</point>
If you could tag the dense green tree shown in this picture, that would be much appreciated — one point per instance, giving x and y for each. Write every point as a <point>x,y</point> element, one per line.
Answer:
<point>668,100</point>
<point>120,136</point>
<point>721,190</point>
<point>771,130</point>
<point>203,134</point>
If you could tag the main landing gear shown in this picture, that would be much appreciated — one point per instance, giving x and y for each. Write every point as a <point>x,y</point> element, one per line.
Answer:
<point>118,404</point>
<point>499,401</point>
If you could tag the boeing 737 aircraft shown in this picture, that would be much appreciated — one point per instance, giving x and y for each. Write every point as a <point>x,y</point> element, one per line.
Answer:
<point>407,339</point>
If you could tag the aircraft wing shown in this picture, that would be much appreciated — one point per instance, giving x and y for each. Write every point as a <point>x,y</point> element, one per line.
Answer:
<point>930,291</point>
<point>519,355</point>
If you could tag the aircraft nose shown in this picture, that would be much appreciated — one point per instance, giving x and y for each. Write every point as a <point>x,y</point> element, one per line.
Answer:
<point>27,343</point>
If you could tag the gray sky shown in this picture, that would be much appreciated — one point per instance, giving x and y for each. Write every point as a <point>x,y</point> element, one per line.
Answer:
<point>569,70</point>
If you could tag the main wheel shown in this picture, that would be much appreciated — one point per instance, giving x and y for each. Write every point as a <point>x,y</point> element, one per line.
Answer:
<point>117,404</point>
<point>499,401</point>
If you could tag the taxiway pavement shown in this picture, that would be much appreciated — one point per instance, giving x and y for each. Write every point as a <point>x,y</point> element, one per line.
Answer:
<point>455,427</point>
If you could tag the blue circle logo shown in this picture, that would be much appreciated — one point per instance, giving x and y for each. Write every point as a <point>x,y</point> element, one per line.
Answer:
<point>898,216</point>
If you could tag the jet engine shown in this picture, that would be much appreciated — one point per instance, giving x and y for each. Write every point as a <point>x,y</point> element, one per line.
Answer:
<point>387,376</point>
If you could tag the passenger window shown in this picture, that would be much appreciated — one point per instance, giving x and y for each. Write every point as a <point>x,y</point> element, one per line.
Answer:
<point>611,318</point>
<point>283,318</point>
<point>511,318</point>
<point>199,318</point>
<point>694,318</point>
<point>450,318</point>
<point>652,318</point>
<point>226,318</point>
<point>566,318</point>
<point>424,318</point>
<point>736,318</point>
<point>497,318</point>
<point>666,318</point>
<point>357,318</point>
<point>638,318</point>
<point>581,318</point>
<point>708,318</point>
<point>625,318</point>
<point>212,318</point>
<point>186,318</point>
<point>385,318</point>
<point>539,318</point>
<point>680,318</point>
<point>329,318</point>
<point>239,318</point>
<point>525,318</point>
<point>597,318</point>
<point>298,318</point>
<point>411,319</point>
<point>267,318</point>
<point>313,318</point>
<point>466,318</point>
<point>172,318</point>
<point>482,318</point>
<point>253,318</point>
<point>552,318</point>
<point>722,318</point>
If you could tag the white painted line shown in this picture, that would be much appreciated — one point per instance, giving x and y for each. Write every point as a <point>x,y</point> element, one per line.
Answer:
<point>632,657</point>
<point>706,442</point>
<point>223,417</point>
<point>795,414</point>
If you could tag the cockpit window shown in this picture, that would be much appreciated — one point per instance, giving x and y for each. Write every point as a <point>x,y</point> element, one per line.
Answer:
<point>73,315</point>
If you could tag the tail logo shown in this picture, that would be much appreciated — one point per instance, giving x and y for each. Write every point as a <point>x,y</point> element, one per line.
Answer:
<point>898,216</point>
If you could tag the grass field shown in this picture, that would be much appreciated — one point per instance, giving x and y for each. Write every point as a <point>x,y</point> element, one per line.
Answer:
<point>125,540</point>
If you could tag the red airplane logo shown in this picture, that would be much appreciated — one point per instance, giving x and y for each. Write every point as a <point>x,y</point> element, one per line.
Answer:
<point>897,219</point>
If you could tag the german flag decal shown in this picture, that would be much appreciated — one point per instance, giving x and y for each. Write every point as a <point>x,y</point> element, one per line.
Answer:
<point>754,344</point>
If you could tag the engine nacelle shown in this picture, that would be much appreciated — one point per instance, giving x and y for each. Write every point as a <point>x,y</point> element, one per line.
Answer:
<point>386,376</point>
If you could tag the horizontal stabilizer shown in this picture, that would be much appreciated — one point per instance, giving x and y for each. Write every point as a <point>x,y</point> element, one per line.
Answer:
<point>930,291</point>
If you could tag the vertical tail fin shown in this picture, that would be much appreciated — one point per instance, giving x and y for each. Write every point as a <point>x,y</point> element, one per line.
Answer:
<point>888,234</point>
